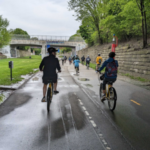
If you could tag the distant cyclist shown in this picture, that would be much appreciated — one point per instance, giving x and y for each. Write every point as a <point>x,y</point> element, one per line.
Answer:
<point>49,65</point>
<point>76,63</point>
<point>70,60</point>
<point>98,61</point>
<point>83,59</point>
<point>110,71</point>
<point>63,59</point>
<point>88,59</point>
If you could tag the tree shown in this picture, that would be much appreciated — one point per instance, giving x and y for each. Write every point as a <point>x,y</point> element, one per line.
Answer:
<point>66,50</point>
<point>142,7</point>
<point>87,9</point>
<point>19,33</point>
<point>4,33</point>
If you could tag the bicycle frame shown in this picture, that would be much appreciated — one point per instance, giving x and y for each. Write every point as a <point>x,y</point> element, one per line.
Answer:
<point>107,90</point>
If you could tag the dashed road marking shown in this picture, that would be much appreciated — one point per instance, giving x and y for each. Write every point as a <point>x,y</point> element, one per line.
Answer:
<point>84,108</point>
<point>87,113</point>
<point>81,103</point>
<point>105,144</point>
<point>93,123</point>
<point>136,102</point>
<point>79,100</point>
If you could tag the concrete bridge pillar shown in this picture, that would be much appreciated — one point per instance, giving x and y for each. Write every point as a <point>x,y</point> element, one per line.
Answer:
<point>73,51</point>
<point>13,51</point>
<point>43,51</point>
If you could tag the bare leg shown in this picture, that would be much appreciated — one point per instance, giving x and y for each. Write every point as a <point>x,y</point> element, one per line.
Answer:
<point>44,90</point>
<point>55,86</point>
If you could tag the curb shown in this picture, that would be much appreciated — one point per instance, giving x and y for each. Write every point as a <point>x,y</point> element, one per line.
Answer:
<point>15,89</point>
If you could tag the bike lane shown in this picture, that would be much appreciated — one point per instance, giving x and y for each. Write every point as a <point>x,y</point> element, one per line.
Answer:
<point>131,116</point>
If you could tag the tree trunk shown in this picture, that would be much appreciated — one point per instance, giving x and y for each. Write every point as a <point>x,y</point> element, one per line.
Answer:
<point>99,36</point>
<point>145,27</point>
<point>143,31</point>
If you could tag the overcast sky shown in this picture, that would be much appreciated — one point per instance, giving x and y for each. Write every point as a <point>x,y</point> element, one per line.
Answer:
<point>40,17</point>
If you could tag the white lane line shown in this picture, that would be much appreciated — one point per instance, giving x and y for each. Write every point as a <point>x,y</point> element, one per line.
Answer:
<point>100,135</point>
<point>90,117</point>
<point>93,123</point>
<point>104,142</point>
<point>84,108</point>
<point>81,103</point>
<point>87,113</point>
<point>79,100</point>
<point>108,148</point>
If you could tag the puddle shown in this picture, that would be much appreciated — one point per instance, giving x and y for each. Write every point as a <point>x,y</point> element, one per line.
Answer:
<point>83,79</point>
<point>59,79</point>
<point>35,79</point>
<point>89,85</point>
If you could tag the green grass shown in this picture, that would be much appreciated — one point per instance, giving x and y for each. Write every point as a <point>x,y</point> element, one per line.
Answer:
<point>135,78</point>
<point>1,97</point>
<point>22,66</point>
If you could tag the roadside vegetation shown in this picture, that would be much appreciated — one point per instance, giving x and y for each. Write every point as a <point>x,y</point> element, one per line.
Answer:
<point>102,18</point>
<point>1,98</point>
<point>22,66</point>
<point>135,78</point>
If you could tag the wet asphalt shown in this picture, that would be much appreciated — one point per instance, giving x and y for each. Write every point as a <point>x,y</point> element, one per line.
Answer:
<point>77,119</point>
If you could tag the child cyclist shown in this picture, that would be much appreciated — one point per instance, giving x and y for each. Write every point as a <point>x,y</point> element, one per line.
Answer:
<point>76,63</point>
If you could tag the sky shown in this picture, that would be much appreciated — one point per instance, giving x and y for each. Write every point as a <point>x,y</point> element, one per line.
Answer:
<point>40,17</point>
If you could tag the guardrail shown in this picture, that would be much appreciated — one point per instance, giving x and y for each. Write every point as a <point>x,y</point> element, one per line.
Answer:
<point>48,38</point>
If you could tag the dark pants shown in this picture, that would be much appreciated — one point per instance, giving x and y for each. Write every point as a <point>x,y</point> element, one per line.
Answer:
<point>106,80</point>
<point>77,67</point>
<point>87,63</point>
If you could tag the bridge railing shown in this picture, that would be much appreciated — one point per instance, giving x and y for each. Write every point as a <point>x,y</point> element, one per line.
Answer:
<point>47,38</point>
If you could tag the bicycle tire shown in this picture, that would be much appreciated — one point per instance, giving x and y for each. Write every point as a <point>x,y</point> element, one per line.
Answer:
<point>48,99</point>
<point>98,74</point>
<point>112,99</point>
<point>101,90</point>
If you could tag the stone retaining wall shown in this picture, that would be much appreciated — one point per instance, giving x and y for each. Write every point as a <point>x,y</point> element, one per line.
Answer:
<point>131,61</point>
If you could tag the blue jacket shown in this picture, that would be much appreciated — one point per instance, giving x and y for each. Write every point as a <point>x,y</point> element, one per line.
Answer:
<point>76,62</point>
<point>105,64</point>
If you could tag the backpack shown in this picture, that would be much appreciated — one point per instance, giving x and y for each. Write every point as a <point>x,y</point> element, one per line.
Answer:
<point>100,61</point>
<point>88,59</point>
<point>111,69</point>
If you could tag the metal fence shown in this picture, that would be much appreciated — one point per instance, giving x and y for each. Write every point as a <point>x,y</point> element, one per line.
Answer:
<point>47,38</point>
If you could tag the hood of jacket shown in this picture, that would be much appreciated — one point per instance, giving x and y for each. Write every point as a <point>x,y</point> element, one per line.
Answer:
<point>110,60</point>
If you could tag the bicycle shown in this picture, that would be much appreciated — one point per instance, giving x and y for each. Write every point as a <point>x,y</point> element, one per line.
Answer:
<point>87,66</point>
<point>98,73</point>
<point>111,95</point>
<point>77,70</point>
<point>49,94</point>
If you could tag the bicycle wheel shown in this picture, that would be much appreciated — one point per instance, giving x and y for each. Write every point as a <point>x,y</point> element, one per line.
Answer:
<point>101,90</point>
<point>76,71</point>
<point>48,98</point>
<point>112,100</point>
<point>98,75</point>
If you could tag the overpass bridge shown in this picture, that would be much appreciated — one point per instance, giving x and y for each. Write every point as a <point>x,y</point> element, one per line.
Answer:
<point>41,41</point>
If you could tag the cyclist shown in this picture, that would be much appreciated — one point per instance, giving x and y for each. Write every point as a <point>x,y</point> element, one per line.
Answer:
<point>49,65</point>
<point>88,59</point>
<point>76,63</point>
<point>98,61</point>
<point>70,59</point>
<point>63,59</point>
<point>83,59</point>
<point>110,72</point>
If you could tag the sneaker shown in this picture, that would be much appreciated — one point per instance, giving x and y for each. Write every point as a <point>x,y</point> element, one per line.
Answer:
<point>43,99</point>
<point>103,98</point>
<point>56,92</point>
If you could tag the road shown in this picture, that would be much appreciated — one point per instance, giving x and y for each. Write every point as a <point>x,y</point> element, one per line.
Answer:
<point>77,119</point>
